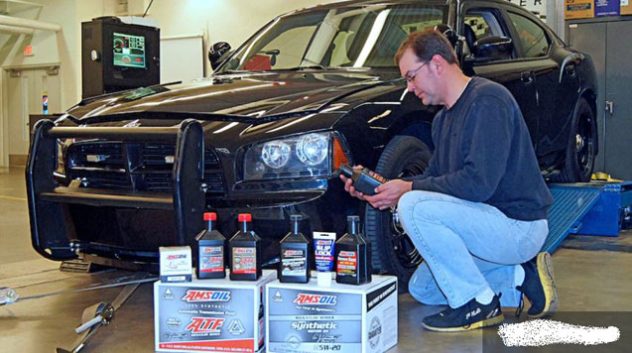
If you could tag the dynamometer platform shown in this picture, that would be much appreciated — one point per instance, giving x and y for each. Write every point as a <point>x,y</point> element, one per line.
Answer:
<point>595,208</point>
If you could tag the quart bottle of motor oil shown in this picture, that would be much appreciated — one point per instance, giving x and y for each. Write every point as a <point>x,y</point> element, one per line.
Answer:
<point>364,180</point>
<point>211,248</point>
<point>295,255</point>
<point>353,255</point>
<point>245,251</point>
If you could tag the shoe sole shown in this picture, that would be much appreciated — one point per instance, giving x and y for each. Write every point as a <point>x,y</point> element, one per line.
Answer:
<point>545,273</point>
<point>496,320</point>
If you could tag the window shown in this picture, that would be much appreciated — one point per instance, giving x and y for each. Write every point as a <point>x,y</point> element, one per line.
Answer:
<point>533,38</point>
<point>481,23</point>
<point>353,35</point>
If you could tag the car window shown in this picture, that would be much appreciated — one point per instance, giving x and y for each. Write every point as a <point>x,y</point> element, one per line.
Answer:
<point>481,23</point>
<point>532,36</point>
<point>355,36</point>
<point>294,40</point>
<point>478,24</point>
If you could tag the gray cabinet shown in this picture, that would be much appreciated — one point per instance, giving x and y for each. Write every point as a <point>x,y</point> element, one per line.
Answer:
<point>607,42</point>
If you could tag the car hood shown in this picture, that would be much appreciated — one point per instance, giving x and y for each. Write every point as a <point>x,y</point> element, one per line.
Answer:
<point>245,98</point>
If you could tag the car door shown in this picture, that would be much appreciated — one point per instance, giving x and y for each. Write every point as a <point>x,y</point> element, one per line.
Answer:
<point>555,92</point>
<point>484,19</point>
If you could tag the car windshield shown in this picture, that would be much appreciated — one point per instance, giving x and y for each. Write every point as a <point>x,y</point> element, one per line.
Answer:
<point>353,36</point>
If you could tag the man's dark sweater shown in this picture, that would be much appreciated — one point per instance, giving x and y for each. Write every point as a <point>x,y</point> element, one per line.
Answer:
<point>484,154</point>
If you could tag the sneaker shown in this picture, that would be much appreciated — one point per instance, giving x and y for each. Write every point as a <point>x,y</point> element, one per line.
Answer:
<point>471,315</point>
<point>539,286</point>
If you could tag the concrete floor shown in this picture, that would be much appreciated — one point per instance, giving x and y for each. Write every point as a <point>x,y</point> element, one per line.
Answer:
<point>588,280</point>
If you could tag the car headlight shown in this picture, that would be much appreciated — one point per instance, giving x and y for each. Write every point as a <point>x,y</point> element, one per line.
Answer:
<point>276,154</point>
<point>312,149</point>
<point>302,156</point>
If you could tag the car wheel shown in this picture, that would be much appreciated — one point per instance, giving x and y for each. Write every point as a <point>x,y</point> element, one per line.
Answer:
<point>392,250</point>
<point>582,145</point>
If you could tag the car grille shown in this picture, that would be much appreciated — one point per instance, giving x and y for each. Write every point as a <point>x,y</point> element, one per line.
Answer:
<point>133,166</point>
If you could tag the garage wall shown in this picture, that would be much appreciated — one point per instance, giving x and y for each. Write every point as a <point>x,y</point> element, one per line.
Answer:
<point>217,20</point>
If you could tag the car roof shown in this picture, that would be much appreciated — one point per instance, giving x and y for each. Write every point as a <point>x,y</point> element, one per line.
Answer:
<point>352,3</point>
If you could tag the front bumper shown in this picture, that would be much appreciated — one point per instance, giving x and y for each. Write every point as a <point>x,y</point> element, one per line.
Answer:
<point>67,221</point>
<point>62,224</point>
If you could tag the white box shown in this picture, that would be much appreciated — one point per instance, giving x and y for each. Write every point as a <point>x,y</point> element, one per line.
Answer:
<point>176,264</point>
<point>340,318</point>
<point>210,315</point>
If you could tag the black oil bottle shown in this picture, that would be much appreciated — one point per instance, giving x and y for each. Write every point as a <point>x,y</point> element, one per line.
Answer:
<point>295,255</point>
<point>353,255</point>
<point>245,251</point>
<point>211,248</point>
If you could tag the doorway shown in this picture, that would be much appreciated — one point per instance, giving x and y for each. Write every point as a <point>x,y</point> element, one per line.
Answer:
<point>24,90</point>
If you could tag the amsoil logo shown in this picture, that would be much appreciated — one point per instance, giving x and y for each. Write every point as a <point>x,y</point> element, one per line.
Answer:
<point>176,257</point>
<point>208,325</point>
<point>315,299</point>
<point>375,330</point>
<point>193,296</point>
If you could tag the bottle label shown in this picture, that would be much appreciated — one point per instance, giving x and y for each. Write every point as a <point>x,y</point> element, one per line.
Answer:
<point>211,259</point>
<point>244,261</point>
<point>347,264</point>
<point>293,262</point>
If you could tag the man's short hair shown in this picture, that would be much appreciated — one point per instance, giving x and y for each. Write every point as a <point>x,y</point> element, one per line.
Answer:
<point>426,44</point>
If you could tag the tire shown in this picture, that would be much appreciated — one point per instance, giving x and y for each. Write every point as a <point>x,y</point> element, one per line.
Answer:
<point>582,146</point>
<point>391,249</point>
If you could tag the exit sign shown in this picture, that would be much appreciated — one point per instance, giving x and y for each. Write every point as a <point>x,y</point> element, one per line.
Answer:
<point>28,50</point>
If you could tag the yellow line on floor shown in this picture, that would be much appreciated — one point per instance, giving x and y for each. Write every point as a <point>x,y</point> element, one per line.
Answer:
<point>11,198</point>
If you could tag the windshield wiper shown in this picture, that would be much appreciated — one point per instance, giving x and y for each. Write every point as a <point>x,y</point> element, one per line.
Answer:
<point>310,67</point>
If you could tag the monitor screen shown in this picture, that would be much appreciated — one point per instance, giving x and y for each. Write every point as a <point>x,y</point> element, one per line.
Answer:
<point>129,50</point>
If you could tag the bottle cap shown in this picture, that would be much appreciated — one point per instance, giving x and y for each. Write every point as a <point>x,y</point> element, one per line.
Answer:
<point>324,279</point>
<point>296,217</point>
<point>210,216</point>
<point>244,217</point>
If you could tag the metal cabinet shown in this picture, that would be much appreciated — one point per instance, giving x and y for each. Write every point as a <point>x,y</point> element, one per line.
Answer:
<point>606,40</point>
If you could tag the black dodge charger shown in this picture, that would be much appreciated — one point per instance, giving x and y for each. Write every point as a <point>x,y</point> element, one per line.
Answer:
<point>119,175</point>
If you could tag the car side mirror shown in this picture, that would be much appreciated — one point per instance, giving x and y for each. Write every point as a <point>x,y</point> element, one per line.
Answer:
<point>492,48</point>
<point>217,53</point>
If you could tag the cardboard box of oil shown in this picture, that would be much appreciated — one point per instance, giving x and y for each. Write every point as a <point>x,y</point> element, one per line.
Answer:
<point>212,315</point>
<point>342,318</point>
<point>576,9</point>
<point>626,7</point>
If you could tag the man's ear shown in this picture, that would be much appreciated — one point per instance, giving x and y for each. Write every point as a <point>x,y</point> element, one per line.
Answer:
<point>437,64</point>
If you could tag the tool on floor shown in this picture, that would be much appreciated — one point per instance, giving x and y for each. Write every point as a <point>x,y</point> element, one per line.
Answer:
<point>97,315</point>
<point>10,296</point>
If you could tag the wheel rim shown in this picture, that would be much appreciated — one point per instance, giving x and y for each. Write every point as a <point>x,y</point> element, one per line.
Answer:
<point>403,247</point>
<point>585,145</point>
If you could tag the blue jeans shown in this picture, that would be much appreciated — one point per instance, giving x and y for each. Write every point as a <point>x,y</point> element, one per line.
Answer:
<point>467,247</point>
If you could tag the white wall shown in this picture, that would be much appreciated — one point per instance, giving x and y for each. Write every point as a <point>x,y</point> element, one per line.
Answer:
<point>48,47</point>
<point>218,20</point>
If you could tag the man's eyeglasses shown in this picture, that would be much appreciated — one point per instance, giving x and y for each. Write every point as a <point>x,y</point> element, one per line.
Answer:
<point>410,75</point>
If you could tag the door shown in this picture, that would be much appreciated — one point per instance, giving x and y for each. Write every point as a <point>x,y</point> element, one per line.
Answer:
<point>555,99</point>
<point>25,91</point>
<point>618,124</point>
<point>517,75</point>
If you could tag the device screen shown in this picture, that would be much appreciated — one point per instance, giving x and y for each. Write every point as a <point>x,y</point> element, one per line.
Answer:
<point>129,50</point>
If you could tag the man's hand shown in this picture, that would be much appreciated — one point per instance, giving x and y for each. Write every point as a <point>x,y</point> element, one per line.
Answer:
<point>388,193</point>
